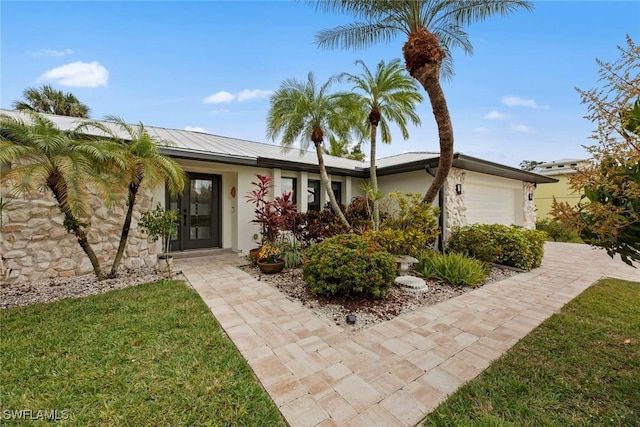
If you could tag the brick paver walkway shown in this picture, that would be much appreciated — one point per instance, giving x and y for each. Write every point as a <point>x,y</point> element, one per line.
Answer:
<point>394,373</point>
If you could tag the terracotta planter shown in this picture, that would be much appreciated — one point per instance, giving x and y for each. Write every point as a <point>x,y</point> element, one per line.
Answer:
<point>253,255</point>
<point>271,267</point>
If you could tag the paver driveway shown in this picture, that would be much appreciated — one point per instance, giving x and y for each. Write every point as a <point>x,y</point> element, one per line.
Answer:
<point>394,373</point>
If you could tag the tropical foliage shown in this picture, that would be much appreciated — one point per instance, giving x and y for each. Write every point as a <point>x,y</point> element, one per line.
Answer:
<point>144,166</point>
<point>453,268</point>
<point>433,28</point>
<point>608,214</point>
<point>501,244</point>
<point>389,95</point>
<point>48,100</point>
<point>66,163</point>
<point>273,216</point>
<point>307,113</point>
<point>409,227</point>
<point>348,264</point>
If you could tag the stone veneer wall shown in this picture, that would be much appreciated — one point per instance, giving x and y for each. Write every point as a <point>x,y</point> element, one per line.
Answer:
<point>35,245</point>
<point>529,207</point>
<point>455,209</point>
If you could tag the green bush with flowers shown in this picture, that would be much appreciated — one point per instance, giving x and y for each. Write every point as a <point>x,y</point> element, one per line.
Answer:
<point>348,264</point>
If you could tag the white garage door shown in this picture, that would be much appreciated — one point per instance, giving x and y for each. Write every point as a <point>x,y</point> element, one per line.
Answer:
<point>491,205</point>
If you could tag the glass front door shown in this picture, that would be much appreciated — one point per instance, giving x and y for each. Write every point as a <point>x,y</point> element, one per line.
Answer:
<point>199,207</point>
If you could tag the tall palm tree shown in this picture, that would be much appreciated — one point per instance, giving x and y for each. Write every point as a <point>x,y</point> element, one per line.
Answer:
<point>307,112</point>
<point>66,163</point>
<point>432,27</point>
<point>145,165</point>
<point>390,95</point>
<point>48,100</point>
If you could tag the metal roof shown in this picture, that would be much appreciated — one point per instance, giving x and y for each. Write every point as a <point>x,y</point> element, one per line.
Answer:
<point>408,162</point>
<point>204,146</point>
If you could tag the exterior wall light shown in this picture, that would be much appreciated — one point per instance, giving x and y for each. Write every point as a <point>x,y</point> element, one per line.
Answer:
<point>458,189</point>
<point>530,196</point>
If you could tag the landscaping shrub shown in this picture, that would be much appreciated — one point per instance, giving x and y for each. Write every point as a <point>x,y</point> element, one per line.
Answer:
<point>453,268</point>
<point>512,246</point>
<point>348,264</point>
<point>556,230</point>
<point>359,213</point>
<point>291,251</point>
<point>409,226</point>
<point>315,226</point>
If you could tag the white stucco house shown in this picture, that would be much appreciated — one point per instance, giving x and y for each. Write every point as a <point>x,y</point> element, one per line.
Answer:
<point>215,213</point>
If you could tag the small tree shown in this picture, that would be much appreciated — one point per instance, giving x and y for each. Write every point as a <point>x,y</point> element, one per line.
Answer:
<point>608,214</point>
<point>162,224</point>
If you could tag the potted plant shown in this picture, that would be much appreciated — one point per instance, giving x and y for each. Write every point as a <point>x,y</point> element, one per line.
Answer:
<point>273,216</point>
<point>162,224</point>
<point>269,260</point>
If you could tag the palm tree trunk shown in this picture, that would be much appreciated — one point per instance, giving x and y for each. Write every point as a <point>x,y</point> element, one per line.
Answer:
<point>429,77</point>
<point>126,227</point>
<point>374,178</point>
<point>324,177</point>
<point>71,223</point>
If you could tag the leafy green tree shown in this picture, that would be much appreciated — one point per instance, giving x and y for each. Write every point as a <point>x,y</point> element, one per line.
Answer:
<point>389,95</point>
<point>433,28</point>
<point>145,165</point>
<point>66,163</point>
<point>307,112</point>
<point>529,165</point>
<point>343,148</point>
<point>48,100</point>
<point>608,214</point>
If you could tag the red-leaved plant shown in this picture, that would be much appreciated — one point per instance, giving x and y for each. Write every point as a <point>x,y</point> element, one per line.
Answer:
<point>275,215</point>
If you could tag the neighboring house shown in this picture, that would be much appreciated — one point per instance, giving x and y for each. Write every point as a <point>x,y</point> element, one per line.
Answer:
<point>215,213</point>
<point>561,170</point>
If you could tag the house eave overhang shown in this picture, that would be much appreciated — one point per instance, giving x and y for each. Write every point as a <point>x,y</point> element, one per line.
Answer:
<point>469,163</point>
<point>266,162</point>
<point>224,158</point>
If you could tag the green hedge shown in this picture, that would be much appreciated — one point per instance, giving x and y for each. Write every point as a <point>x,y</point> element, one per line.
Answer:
<point>348,264</point>
<point>497,243</point>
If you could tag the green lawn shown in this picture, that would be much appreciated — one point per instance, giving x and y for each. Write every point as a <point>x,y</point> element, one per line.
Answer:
<point>581,367</point>
<point>150,355</point>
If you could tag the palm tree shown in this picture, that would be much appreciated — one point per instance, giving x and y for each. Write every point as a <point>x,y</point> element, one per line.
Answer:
<point>302,110</point>
<point>145,165</point>
<point>390,95</point>
<point>48,100</point>
<point>433,27</point>
<point>65,163</point>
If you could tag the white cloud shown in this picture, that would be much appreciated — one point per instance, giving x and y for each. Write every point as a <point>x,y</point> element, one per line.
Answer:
<point>481,129</point>
<point>247,94</point>
<point>51,52</point>
<point>219,111</point>
<point>219,97</point>
<point>495,115</point>
<point>521,128</point>
<point>78,74</point>
<point>515,101</point>
<point>244,95</point>
<point>196,129</point>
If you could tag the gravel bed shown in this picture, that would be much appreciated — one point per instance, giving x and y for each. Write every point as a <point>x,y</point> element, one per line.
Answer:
<point>71,287</point>
<point>368,311</point>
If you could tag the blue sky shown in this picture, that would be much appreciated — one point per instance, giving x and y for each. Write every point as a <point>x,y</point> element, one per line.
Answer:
<point>211,65</point>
